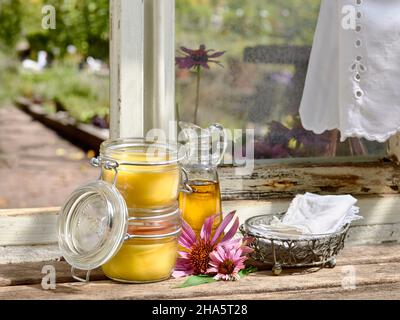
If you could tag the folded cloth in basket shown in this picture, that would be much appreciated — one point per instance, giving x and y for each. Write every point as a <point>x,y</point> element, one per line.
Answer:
<point>312,214</point>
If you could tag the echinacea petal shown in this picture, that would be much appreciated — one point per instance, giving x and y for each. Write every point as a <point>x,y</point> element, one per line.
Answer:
<point>182,241</point>
<point>184,254</point>
<point>180,274</point>
<point>246,250</point>
<point>237,255</point>
<point>222,252</point>
<point>204,64</point>
<point>232,231</point>
<point>188,238</point>
<point>182,263</point>
<point>187,229</point>
<point>216,256</point>
<point>184,62</point>
<point>222,226</point>
<point>187,50</point>
<point>216,54</point>
<point>212,270</point>
<point>205,232</point>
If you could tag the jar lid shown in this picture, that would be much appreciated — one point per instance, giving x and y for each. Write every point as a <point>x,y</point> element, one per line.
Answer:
<point>92,225</point>
<point>142,152</point>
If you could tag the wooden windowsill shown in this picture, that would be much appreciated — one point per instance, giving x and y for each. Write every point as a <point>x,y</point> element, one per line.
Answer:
<point>376,271</point>
<point>285,180</point>
<point>28,242</point>
<point>31,234</point>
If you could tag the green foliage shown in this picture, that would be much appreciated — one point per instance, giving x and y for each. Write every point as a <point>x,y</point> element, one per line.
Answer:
<point>245,272</point>
<point>231,24</point>
<point>83,23</point>
<point>223,23</point>
<point>192,281</point>
<point>82,94</point>
<point>10,22</point>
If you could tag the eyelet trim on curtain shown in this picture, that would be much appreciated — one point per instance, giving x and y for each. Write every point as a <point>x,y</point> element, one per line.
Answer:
<point>358,68</point>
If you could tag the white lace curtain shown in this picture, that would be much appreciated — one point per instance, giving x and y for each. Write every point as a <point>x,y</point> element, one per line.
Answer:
<point>353,80</point>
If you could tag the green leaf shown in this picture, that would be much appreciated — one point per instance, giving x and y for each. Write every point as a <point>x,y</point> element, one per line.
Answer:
<point>196,281</point>
<point>247,271</point>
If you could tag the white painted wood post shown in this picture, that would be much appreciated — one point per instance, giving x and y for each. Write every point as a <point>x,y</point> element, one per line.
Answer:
<point>394,146</point>
<point>159,76</point>
<point>126,68</point>
<point>142,75</point>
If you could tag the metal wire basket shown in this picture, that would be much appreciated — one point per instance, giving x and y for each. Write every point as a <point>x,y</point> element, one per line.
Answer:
<point>279,252</point>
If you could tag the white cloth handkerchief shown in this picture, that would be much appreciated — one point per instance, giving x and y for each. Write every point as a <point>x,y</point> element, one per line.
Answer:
<point>312,214</point>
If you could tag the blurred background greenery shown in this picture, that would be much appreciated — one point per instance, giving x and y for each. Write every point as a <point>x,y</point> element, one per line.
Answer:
<point>239,95</point>
<point>81,27</point>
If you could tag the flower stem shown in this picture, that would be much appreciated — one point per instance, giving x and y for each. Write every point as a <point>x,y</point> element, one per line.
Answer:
<point>196,110</point>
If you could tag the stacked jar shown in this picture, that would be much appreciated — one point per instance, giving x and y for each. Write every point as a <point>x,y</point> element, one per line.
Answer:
<point>129,221</point>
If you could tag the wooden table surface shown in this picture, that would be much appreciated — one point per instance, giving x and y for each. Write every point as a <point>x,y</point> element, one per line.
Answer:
<point>376,269</point>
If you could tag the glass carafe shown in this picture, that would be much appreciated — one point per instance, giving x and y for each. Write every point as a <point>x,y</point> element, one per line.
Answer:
<point>202,198</point>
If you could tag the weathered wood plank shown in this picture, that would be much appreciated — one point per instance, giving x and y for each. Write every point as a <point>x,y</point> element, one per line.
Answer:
<point>394,147</point>
<point>358,235</point>
<point>381,220</point>
<point>386,291</point>
<point>30,273</point>
<point>369,254</point>
<point>29,212</point>
<point>259,283</point>
<point>374,234</point>
<point>28,226</point>
<point>20,254</point>
<point>282,181</point>
<point>83,135</point>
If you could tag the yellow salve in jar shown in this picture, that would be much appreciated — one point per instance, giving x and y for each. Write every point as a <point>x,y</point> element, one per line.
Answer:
<point>143,260</point>
<point>148,174</point>
<point>150,255</point>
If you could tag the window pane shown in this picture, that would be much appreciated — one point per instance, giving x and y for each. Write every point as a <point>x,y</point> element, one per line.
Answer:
<point>267,46</point>
<point>64,73</point>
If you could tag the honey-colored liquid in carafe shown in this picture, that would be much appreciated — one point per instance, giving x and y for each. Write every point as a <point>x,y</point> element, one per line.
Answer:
<point>205,201</point>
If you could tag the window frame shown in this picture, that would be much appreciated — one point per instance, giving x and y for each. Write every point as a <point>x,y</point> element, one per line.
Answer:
<point>144,32</point>
<point>142,67</point>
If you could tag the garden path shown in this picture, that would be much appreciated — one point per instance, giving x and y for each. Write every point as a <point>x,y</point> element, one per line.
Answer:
<point>38,168</point>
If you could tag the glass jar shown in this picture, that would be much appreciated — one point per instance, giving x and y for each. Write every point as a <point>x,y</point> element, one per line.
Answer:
<point>206,148</point>
<point>148,172</point>
<point>131,244</point>
<point>149,253</point>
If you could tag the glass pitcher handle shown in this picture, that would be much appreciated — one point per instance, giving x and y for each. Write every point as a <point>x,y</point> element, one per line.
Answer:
<point>222,140</point>
<point>185,187</point>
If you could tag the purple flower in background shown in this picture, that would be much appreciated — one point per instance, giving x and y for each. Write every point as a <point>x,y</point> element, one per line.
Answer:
<point>197,58</point>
